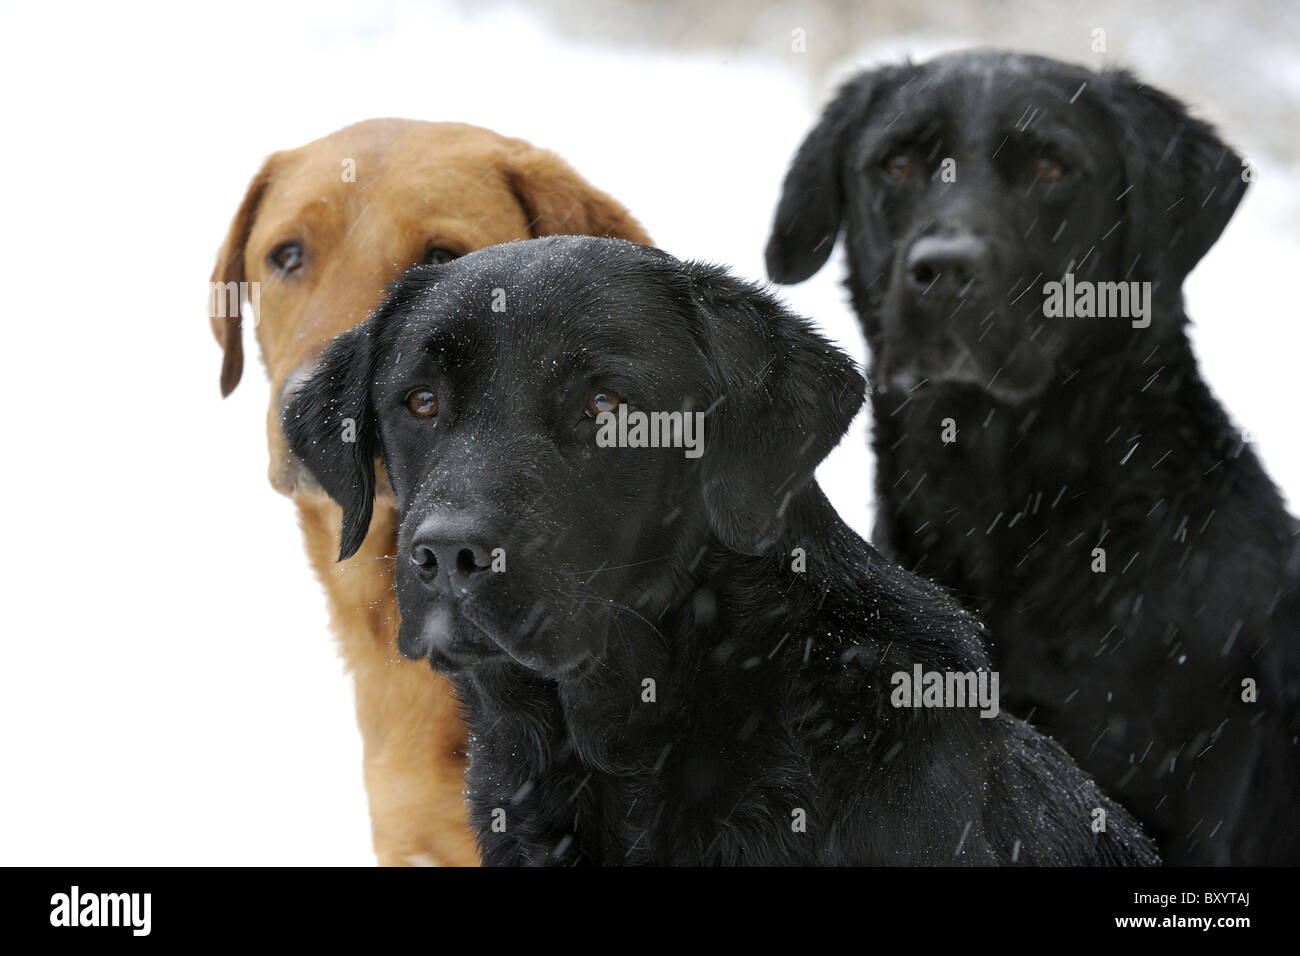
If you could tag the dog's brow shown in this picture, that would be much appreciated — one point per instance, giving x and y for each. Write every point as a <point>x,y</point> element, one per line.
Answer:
<point>1058,137</point>
<point>898,128</point>
<point>591,363</point>
<point>424,348</point>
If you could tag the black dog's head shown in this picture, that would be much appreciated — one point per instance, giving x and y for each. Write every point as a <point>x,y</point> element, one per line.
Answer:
<point>479,384</point>
<point>966,184</point>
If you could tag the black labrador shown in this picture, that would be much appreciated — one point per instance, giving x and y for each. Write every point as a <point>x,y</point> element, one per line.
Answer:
<point>1017,233</point>
<point>674,654</point>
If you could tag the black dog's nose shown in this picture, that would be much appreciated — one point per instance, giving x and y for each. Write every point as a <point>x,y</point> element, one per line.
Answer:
<point>945,264</point>
<point>451,553</point>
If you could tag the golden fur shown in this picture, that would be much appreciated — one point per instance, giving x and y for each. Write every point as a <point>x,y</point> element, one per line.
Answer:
<point>417,186</point>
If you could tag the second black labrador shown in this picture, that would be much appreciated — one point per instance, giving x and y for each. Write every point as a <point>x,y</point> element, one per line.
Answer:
<point>1017,232</point>
<point>674,654</point>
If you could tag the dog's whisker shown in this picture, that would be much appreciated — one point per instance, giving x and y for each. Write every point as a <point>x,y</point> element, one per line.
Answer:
<point>620,567</point>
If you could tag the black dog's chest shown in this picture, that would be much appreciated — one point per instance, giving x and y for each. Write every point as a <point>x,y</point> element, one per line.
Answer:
<point>663,814</point>
<point>1104,589</point>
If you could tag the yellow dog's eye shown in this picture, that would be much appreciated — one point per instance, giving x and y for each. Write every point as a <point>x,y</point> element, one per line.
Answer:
<point>287,256</point>
<point>899,166</point>
<point>437,257</point>
<point>1048,170</point>
<point>599,402</point>
<point>423,403</point>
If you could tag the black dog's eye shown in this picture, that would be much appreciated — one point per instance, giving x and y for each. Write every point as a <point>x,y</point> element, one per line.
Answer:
<point>1048,170</point>
<point>436,257</point>
<point>287,256</point>
<point>899,165</point>
<point>423,403</point>
<point>599,402</point>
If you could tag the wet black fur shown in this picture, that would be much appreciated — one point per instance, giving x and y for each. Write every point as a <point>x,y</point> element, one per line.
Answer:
<point>772,685</point>
<point>1138,671</point>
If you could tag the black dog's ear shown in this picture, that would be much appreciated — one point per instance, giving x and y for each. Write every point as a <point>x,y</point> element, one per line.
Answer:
<point>330,425</point>
<point>330,422</point>
<point>1184,183</point>
<point>783,397</point>
<point>811,208</point>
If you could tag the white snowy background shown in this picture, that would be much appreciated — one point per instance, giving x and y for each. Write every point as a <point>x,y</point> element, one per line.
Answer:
<point>169,693</point>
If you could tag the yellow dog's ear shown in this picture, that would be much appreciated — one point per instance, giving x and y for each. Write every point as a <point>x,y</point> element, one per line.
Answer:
<point>559,202</point>
<point>226,292</point>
